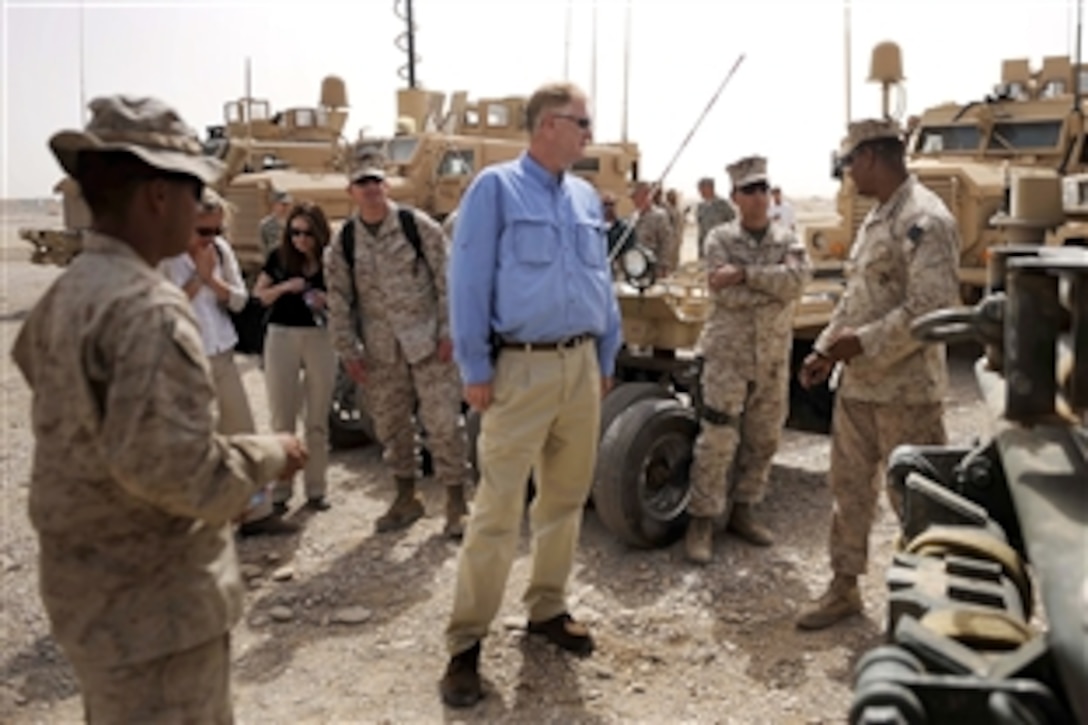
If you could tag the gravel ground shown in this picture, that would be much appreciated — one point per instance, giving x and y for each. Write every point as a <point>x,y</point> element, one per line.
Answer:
<point>344,625</point>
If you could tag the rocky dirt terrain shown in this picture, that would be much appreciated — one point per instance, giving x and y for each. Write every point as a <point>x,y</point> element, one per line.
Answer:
<point>345,625</point>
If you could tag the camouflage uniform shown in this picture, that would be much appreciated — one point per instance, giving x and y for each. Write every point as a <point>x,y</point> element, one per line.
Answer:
<point>271,230</point>
<point>746,348</point>
<point>709,214</point>
<point>654,232</point>
<point>403,306</point>
<point>132,490</point>
<point>902,265</point>
<point>676,224</point>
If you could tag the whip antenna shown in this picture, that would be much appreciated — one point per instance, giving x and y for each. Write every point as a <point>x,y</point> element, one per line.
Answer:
<point>683,144</point>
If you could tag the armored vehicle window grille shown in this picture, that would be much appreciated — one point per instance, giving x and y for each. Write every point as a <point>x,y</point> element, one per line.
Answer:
<point>1032,135</point>
<point>401,149</point>
<point>472,118</point>
<point>304,118</point>
<point>589,164</point>
<point>498,116</point>
<point>457,163</point>
<point>258,110</point>
<point>934,139</point>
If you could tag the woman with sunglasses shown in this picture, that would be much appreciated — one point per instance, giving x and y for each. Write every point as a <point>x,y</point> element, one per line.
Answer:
<point>208,273</point>
<point>299,363</point>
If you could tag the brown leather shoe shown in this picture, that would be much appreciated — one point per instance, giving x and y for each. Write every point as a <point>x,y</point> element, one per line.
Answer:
<point>565,633</point>
<point>460,686</point>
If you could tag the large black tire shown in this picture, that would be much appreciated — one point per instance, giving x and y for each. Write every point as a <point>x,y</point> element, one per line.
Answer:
<point>350,425</point>
<point>623,395</point>
<point>641,485</point>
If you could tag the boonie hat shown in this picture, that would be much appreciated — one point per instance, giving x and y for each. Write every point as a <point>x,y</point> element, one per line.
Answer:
<point>747,171</point>
<point>145,127</point>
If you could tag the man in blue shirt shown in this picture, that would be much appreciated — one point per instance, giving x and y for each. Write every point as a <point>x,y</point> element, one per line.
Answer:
<point>536,329</point>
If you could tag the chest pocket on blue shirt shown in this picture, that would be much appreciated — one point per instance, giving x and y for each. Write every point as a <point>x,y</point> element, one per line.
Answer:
<point>533,240</point>
<point>591,243</point>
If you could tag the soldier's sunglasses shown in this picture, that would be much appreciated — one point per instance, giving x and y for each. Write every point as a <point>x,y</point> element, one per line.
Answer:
<point>209,231</point>
<point>757,188</point>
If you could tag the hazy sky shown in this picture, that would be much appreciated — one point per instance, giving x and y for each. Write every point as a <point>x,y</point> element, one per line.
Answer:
<point>786,101</point>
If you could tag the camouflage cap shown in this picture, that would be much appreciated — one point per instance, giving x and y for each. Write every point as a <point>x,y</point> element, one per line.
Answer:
<point>282,197</point>
<point>146,128</point>
<point>746,171</point>
<point>869,129</point>
<point>366,166</point>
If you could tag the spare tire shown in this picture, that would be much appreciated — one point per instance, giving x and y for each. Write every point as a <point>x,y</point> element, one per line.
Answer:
<point>641,485</point>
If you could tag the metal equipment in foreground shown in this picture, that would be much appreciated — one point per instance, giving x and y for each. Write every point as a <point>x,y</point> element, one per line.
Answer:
<point>991,532</point>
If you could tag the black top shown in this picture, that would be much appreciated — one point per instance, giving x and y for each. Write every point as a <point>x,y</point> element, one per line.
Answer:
<point>290,308</point>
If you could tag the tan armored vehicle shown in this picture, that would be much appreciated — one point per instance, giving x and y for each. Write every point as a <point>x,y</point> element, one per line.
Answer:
<point>430,160</point>
<point>969,153</point>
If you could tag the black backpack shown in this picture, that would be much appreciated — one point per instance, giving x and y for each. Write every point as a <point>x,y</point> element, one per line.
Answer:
<point>407,219</point>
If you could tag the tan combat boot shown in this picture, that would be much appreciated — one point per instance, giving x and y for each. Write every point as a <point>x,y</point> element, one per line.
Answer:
<point>405,510</point>
<point>742,522</point>
<point>699,539</point>
<point>456,511</point>
<point>841,600</point>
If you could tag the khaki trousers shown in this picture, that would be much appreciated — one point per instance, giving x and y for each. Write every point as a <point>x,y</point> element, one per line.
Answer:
<point>183,687</point>
<point>863,434</point>
<point>544,415</point>
<point>299,372</point>
<point>235,416</point>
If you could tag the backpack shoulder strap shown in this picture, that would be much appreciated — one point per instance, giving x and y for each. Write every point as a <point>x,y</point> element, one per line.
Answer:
<point>347,242</point>
<point>347,247</point>
<point>408,224</point>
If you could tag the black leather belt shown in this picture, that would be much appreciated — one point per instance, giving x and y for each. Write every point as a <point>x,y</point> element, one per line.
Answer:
<point>565,344</point>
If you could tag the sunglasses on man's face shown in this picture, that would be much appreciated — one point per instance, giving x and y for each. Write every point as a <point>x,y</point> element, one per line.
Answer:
<point>583,122</point>
<point>752,189</point>
<point>209,231</point>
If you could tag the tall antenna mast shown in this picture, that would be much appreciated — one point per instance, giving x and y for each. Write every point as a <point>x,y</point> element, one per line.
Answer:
<point>82,71</point>
<point>1078,76</point>
<point>593,67</point>
<point>406,42</point>
<point>248,108</point>
<point>846,56</point>
<point>626,68</point>
<point>566,41</point>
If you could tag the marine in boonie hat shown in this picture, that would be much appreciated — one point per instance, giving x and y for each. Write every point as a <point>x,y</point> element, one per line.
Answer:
<point>747,171</point>
<point>367,166</point>
<point>145,127</point>
<point>870,129</point>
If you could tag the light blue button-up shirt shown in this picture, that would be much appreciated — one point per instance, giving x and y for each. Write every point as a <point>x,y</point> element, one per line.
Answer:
<point>529,262</point>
